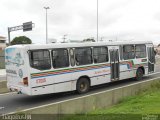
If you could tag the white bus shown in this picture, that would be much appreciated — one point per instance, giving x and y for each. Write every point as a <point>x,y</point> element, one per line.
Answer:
<point>52,68</point>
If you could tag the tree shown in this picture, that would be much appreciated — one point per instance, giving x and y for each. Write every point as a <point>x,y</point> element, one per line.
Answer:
<point>21,40</point>
<point>89,40</point>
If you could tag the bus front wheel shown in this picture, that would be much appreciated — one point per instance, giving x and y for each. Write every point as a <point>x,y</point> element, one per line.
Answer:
<point>83,85</point>
<point>139,74</point>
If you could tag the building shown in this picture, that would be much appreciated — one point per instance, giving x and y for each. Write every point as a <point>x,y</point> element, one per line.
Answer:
<point>2,42</point>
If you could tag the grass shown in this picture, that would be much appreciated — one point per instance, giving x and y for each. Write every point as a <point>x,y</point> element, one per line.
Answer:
<point>157,60</point>
<point>3,87</point>
<point>145,103</point>
<point>143,106</point>
<point>4,90</point>
<point>2,80</point>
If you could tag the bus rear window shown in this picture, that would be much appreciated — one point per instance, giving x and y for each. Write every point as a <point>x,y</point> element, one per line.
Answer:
<point>40,59</point>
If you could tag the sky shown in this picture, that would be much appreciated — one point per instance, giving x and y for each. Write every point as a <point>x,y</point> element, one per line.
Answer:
<point>127,20</point>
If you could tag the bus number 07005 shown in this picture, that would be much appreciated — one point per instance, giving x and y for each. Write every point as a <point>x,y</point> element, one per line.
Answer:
<point>41,80</point>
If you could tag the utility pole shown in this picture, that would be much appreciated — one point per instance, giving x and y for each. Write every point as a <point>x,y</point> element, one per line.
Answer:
<point>102,38</point>
<point>97,21</point>
<point>9,41</point>
<point>64,38</point>
<point>46,8</point>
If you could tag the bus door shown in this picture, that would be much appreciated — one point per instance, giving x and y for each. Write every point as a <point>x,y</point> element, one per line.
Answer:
<point>151,59</point>
<point>114,62</point>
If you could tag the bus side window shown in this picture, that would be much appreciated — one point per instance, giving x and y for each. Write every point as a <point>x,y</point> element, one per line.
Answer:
<point>60,58</point>
<point>83,56</point>
<point>128,52</point>
<point>40,59</point>
<point>140,51</point>
<point>100,54</point>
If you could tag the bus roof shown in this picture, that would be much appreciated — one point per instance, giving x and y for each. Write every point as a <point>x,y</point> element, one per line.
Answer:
<point>83,44</point>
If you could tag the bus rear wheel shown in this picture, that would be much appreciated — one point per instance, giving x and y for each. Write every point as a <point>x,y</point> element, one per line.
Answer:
<point>139,74</point>
<point>83,85</point>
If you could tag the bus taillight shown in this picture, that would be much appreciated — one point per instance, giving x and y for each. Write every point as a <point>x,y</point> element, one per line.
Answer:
<point>25,81</point>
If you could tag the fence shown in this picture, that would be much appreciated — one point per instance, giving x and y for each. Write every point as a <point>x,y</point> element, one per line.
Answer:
<point>2,59</point>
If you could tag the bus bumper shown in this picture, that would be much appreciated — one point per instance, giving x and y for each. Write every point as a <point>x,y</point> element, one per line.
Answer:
<point>19,89</point>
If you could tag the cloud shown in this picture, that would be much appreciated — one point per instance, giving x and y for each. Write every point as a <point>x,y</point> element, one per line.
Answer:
<point>127,19</point>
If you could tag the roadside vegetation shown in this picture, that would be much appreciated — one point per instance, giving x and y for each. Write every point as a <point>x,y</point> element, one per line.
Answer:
<point>144,106</point>
<point>21,40</point>
<point>3,87</point>
<point>146,102</point>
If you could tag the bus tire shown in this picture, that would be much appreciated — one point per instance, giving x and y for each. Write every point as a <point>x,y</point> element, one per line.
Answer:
<point>83,85</point>
<point>139,74</point>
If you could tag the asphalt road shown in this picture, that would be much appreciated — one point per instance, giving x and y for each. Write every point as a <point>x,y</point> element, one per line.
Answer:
<point>14,102</point>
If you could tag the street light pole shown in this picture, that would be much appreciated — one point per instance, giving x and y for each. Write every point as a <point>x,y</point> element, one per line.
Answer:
<point>46,8</point>
<point>97,21</point>
<point>9,41</point>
